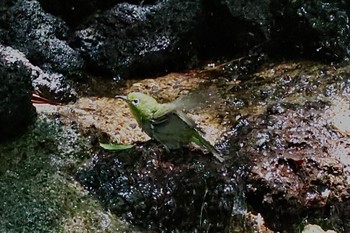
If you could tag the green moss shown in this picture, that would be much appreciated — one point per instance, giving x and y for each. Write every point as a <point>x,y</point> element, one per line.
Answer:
<point>37,191</point>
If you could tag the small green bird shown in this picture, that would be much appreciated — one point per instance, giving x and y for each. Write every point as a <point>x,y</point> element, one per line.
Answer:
<point>166,122</point>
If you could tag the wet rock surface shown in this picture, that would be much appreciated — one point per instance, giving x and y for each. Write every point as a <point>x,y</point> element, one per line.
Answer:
<point>283,132</point>
<point>300,166</point>
<point>296,138</point>
<point>282,127</point>
<point>181,191</point>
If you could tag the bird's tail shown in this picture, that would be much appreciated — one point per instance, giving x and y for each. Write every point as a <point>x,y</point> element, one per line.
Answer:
<point>199,140</point>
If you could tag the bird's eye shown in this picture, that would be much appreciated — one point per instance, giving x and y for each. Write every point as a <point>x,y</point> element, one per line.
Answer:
<point>135,101</point>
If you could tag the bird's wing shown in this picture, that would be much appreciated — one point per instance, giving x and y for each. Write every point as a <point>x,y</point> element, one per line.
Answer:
<point>198,99</point>
<point>162,116</point>
<point>163,109</point>
<point>189,121</point>
<point>185,118</point>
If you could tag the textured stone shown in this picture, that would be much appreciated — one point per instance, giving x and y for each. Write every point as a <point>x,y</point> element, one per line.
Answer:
<point>16,109</point>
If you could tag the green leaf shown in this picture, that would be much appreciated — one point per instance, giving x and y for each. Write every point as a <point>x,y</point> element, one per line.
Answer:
<point>107,146</point>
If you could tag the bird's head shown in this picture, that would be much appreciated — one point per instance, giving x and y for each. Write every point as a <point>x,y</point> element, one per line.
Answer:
<point>141,105</point>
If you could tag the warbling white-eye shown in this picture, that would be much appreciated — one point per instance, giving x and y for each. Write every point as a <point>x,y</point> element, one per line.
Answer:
<point>166,122</point>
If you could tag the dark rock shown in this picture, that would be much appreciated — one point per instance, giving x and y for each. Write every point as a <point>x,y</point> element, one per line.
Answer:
<point>16,109</point>
<point>75,12</point>
<point>277,27</point>
<point>53,86</point>
<point>317,29</point>
<point>3,25</point>
<point>257,13</point>
<point>165,192</point>
<point>233,27</point>
<point>170,35</point>
<point>142,38</point>
<point>136,40</point>
<point>42,38</point>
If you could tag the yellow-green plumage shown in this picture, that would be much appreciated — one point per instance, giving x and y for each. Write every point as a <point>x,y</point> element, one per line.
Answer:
<point>166,123</point>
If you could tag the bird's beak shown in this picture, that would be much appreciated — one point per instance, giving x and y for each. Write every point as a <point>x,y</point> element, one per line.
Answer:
<point>123,97</point>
